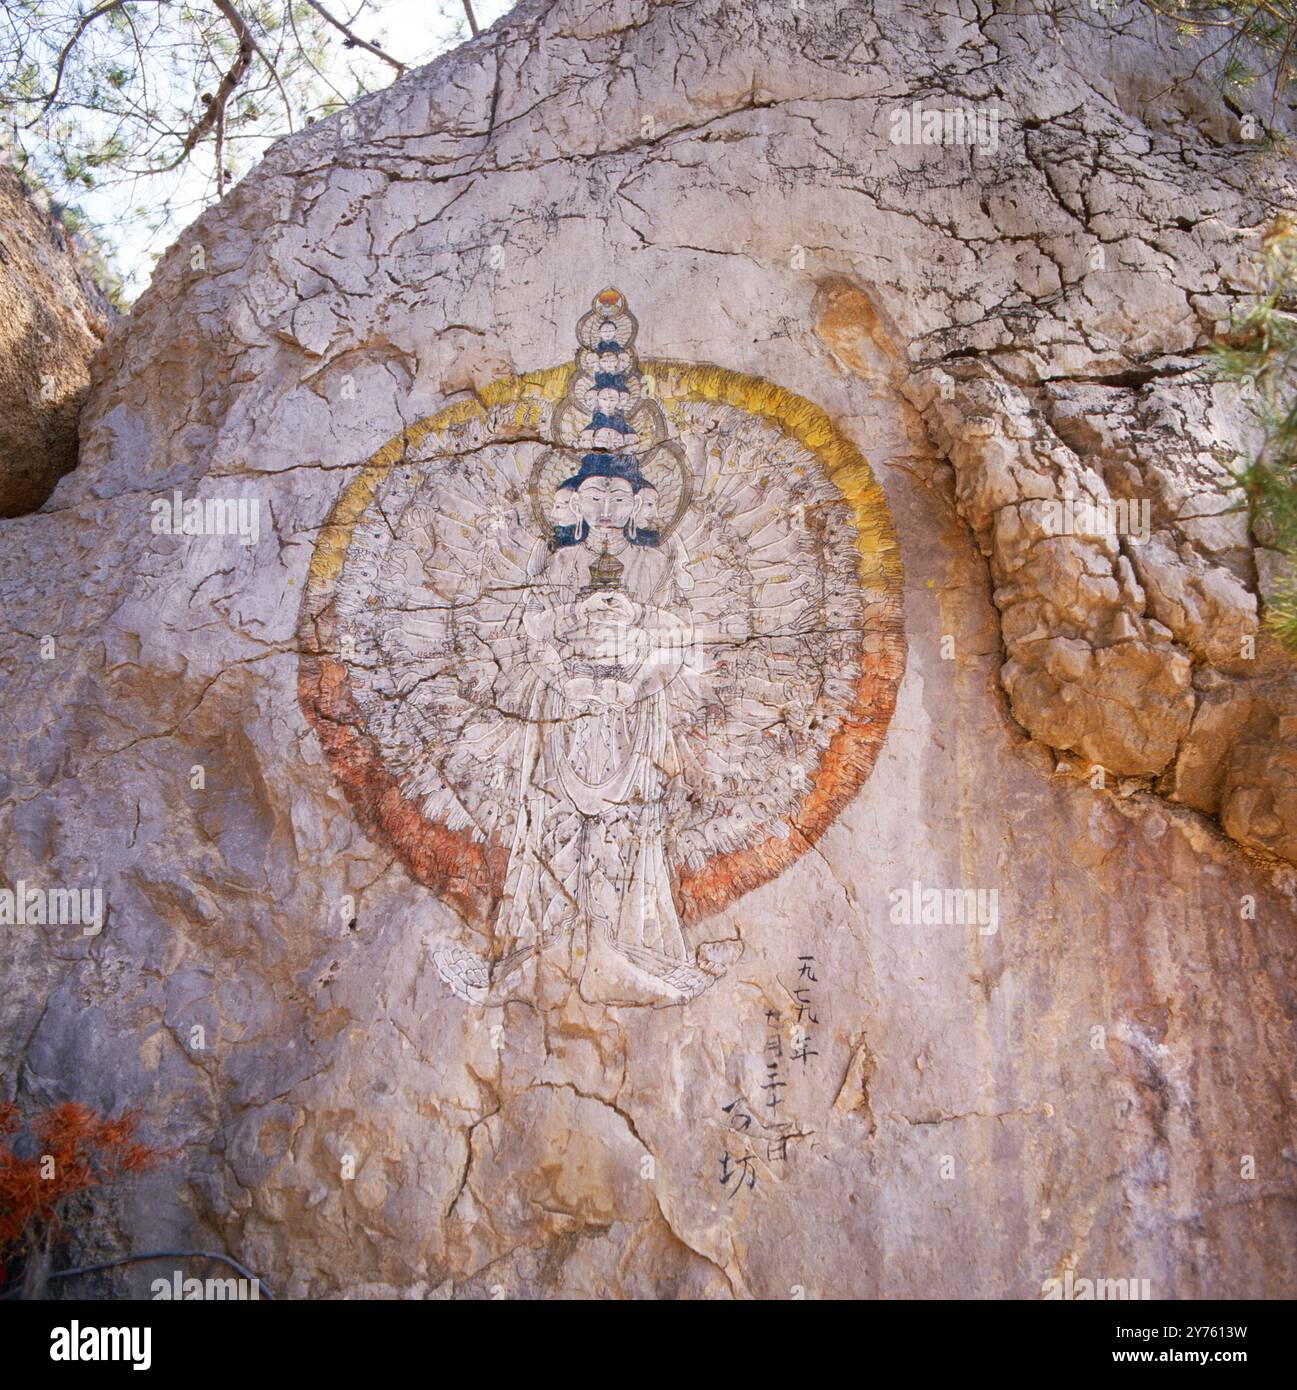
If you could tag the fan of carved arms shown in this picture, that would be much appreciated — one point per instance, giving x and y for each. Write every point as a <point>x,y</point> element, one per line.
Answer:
<point>599,651</point>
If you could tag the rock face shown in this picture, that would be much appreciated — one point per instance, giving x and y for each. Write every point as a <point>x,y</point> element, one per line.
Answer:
<point>1021,1003</point>
<point>53,318</point>
<point>598,654</point>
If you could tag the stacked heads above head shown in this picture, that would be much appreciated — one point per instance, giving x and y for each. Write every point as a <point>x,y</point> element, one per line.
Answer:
<point>612,465</point>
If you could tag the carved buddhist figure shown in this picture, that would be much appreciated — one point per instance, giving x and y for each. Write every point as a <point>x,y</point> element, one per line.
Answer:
<point>608,629</point>
<point>597,652</point>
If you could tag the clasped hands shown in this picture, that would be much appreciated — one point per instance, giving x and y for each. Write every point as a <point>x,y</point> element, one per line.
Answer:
<point>604,634</point>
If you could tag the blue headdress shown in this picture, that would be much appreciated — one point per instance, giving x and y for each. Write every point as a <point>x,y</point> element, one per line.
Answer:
<point>608,419</point>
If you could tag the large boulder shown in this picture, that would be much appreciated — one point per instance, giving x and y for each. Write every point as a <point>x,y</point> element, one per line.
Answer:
<point>884,1086</point>
<point>53,317</point>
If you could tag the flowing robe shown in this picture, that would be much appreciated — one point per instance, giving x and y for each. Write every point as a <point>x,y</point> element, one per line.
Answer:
<point>588,846</point>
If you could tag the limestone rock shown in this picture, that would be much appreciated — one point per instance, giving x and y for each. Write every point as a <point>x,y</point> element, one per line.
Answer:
<point>53,318</point>
<point>1260,788</point>
<point>1021,1019</point>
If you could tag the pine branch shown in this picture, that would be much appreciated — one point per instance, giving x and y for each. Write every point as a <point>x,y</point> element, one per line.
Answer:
<point>355,40</point>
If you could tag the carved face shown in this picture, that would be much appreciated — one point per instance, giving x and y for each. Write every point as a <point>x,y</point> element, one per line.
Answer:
<point>646,515</point>
<point>564,512</point>
<point>606,504</point>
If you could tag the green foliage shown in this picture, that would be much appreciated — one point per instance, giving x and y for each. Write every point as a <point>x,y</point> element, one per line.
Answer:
<point>1260,355</point>
<point>97,95</point>
<point>1250,40</point>
<point>87,242</point>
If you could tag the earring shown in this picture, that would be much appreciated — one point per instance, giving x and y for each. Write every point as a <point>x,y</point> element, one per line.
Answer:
<point>631,529</point>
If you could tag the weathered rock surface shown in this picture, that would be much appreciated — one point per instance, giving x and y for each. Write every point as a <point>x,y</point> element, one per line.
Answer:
<point>998,328</point>
<point>53,318</point>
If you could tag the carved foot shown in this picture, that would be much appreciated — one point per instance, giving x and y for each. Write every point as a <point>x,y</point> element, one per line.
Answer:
<point>473,979</point>
<point>468,976</point>
<point>685,979</point>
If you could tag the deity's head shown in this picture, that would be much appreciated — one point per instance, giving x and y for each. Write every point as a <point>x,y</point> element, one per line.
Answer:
<point>563,513</point>
<point>608,495</point>
<point>609,421</point>
<point>606,504</point>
